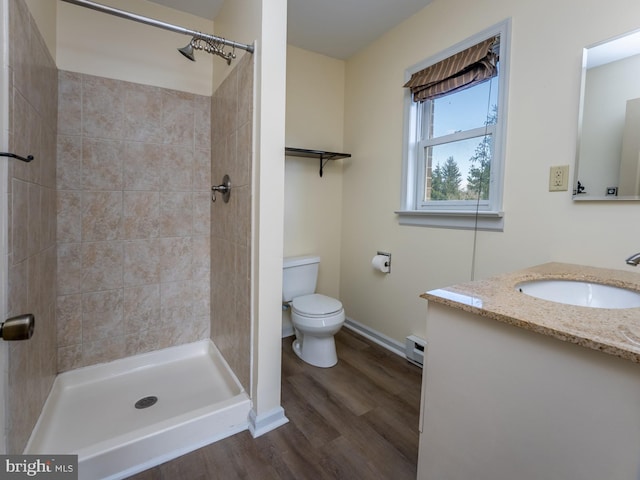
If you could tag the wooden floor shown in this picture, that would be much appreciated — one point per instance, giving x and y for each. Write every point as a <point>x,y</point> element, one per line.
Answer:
<point>357,420</point>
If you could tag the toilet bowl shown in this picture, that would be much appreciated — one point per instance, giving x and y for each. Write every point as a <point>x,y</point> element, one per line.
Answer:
<point>316,319</point>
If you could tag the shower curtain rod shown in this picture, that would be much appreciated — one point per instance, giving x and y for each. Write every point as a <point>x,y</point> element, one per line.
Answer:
<point>157,23</point>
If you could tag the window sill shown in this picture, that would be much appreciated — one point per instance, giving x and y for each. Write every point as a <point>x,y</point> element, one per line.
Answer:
<point>456,219</point>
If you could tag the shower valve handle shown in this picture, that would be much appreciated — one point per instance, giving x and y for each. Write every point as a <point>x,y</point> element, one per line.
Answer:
<point>224,188</point>
<point>19,327</point>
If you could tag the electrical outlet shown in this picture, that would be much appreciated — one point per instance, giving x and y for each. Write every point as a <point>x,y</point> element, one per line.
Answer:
<point>559,178</point>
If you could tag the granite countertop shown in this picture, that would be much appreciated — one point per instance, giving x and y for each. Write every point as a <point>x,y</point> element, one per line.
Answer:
<point>613,331</point>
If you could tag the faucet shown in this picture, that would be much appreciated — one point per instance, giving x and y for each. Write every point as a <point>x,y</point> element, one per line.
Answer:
<point>634,259</point>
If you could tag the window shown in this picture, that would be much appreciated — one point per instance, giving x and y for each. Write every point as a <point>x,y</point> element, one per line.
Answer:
<point>454,137</point>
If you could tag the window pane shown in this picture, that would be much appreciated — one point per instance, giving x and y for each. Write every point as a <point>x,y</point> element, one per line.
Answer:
<point>466,109</point>
<point>459,170</point>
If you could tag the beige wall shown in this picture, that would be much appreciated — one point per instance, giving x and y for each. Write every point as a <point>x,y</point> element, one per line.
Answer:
<point>541,131</point>
<point>44,13</point>
<point>313,205</point>
<point>31,255</point>
<point>238,20</point>
<point>104,45</point>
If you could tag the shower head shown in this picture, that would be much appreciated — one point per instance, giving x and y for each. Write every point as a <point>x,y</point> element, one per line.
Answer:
<point>214,46</point>
<point>187,51</point>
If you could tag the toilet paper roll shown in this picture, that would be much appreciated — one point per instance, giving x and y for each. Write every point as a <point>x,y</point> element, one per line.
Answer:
<point>381,263</point>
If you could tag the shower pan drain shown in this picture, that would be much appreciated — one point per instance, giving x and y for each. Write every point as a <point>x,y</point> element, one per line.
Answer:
<point>146,402</point>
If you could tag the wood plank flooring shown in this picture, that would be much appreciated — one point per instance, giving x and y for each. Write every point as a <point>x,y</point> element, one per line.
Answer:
<point>357,420</point>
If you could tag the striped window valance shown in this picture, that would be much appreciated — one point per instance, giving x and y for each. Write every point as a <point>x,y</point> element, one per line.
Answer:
<point>462,70</point>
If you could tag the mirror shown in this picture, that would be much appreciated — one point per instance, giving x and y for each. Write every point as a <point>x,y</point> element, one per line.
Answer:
<point>608,151</point>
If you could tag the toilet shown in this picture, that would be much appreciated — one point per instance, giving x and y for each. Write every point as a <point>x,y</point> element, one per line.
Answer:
<point>316,318</point>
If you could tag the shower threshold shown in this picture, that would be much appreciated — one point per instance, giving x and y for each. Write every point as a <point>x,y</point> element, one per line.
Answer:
<point>129,415</point>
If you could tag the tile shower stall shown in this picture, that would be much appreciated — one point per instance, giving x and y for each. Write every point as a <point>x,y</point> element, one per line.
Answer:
<point>133,219</point>
<point>114,243</point>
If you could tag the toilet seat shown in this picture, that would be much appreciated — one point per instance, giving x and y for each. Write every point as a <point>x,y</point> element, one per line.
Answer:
<point>316,305</point>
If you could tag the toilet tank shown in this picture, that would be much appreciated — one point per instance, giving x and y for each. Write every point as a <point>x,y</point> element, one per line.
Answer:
<point>299,276</point>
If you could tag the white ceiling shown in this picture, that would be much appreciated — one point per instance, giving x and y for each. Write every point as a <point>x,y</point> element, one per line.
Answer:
<point>337,28</point>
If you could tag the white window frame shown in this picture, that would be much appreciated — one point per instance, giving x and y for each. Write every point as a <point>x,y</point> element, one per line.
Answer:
<point>483,215</point>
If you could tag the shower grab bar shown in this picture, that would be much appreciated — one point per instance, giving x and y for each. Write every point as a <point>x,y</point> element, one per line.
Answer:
<point>13,155</point>
<point>157,23</point>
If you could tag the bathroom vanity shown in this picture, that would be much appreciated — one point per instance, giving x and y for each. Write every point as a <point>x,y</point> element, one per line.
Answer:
<point>518,387</point>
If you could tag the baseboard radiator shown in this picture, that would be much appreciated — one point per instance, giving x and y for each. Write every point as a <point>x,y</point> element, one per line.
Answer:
<point>414,350</point>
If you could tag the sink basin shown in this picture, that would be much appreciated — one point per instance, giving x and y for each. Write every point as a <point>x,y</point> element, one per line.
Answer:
<point>582,294</point>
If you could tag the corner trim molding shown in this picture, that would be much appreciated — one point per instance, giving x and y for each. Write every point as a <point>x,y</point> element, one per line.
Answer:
<point>263,423</point>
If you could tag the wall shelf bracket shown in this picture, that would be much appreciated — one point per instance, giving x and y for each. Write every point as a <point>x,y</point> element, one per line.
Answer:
<point>322,155</point>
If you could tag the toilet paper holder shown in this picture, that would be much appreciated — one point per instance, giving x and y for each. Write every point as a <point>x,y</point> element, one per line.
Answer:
<point>387,262</point>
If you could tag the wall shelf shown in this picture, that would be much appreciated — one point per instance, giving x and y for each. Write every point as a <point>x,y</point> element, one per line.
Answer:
<point>322,155</point>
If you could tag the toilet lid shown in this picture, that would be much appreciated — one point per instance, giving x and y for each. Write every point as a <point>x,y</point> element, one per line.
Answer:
<point>316,304</point>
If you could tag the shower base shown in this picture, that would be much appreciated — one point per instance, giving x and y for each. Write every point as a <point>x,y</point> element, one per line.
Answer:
<point>128,415</point>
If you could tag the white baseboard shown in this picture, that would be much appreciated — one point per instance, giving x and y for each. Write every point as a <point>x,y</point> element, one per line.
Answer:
<point>261,424</point>
<point>380,338</point>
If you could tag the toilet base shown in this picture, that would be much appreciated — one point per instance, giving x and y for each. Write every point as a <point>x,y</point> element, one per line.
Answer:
<point>316,351</point>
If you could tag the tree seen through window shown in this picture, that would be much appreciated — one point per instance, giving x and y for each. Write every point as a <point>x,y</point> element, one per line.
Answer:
<point>445,180</point>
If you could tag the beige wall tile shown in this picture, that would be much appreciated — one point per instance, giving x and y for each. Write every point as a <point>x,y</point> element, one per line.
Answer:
<point>176,213</point>
<point>69,163</point>
<point>19,216</point>
<point>178,117</point>
<point>141,308</point>
<point>69,103</point>
<point>142,166</point>
<point>176,303</point>
<point>141,214</point>
<point>69,357</point>
<point>69,270</point>
<point>142,262</point>
<point>101,216</point>
<point>34,220</point>
<point>102,316</point>
<point>102,107</point>
<point>230,231</point>
<point>201,258</point>
<point>69,318</point>
<point>32,274</point>
<point>177,169</point>
<point>102,164</point>
<point>202,170</point>
<point>143,113</point>
<point>18,287</point>
<point>176,259</point>
<point>201,213</point>
<point>131,162</point>
<point>104,350</point>
<point>202,111</point>
<point>102,266</point>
